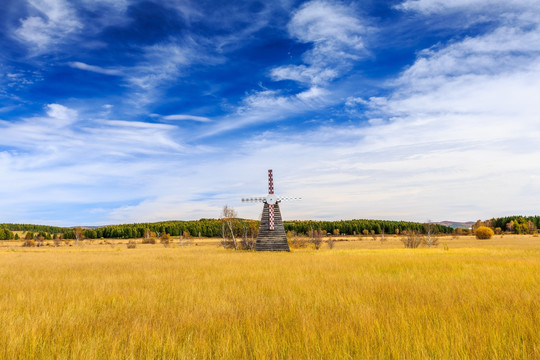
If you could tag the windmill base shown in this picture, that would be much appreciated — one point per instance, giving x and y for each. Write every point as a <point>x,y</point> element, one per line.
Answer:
<point>271,240</point>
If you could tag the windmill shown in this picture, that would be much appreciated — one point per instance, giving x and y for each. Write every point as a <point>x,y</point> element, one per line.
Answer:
<point>271,235</point>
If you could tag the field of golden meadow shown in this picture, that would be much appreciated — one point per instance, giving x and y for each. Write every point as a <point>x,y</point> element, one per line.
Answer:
<point>465,299</point>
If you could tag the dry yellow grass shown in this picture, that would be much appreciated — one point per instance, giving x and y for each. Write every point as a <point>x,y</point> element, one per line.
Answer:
<point>98,302</point>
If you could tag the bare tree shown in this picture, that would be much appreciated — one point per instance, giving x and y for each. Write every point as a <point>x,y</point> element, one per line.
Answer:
<point>224,241</point>
<point>412,239</point>
<point>330,242</point>
<point>78,235</point>
<point>228,217</point>
<point>185,238</point>
<point>248,234</point>
<point>57,239</point>
<point>431,234</point>
<point>316,238</point>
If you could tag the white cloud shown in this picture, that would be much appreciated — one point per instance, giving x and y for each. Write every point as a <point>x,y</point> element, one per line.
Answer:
<point>94,68</point>
<point>313,93</point>
<point>62,132</point>
<point>65,158</point>
<point>161,65</point>
<point>236,23</point>
<point>304,74</point>
<point>487,6</point>
<point>507,49</point>
<point>461,130</point>
<point>328,25</point>
<point>54,22</point>
<point>182,117</point>
<point>15,78</point>
<point>272,106</point>
<point>353,101</point>
<point>162,62</point>
<point>337,38</point>
<point>493,75</point>
<point>457,138</point>
<point>61,115</point>
<point>336,35</point>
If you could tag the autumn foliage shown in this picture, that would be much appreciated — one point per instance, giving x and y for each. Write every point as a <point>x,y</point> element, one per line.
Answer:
<point>483,232</point>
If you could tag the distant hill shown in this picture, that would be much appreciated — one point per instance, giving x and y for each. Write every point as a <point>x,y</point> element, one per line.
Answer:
<point>457,224</point>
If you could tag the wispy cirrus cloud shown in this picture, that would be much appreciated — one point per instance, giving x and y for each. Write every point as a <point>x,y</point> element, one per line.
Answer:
<point>492,73</point>
<point>63,130</point>
<point>183,117</point>
<point>269,106</point>
<point>488,7</point>
<point>336,35</point>
<point>51,23</point>
<point>67,158</point>
<point>161,65</point>
<point>95,68</point>
<point>459,114</point>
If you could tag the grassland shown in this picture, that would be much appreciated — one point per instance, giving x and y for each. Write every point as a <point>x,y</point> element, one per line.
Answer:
<point>361,300</point>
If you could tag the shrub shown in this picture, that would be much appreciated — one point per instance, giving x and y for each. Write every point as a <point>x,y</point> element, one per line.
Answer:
<point>412,239</point>
<point>29,243</point>
<point>150,240</point>
<point>483,232</point>
<point>165,239</point>
<point>316,238</point>
<point>298,242</point>
<point>330,243</point>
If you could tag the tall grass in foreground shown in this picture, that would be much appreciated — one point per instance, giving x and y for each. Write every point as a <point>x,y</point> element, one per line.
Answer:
<point>158,303</point>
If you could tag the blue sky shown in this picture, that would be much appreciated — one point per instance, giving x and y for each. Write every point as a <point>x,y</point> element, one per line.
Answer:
<point>119,111</point>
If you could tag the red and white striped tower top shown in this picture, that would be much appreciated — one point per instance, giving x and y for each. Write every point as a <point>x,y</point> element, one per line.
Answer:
<point>270,206</point>
<point>270,182</point>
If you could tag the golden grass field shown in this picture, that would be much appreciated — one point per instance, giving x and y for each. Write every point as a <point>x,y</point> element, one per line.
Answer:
<point>479,299</point>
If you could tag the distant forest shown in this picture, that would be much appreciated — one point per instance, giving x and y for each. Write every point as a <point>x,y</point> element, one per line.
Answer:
<point>213,228</point>
<point>513,224</point>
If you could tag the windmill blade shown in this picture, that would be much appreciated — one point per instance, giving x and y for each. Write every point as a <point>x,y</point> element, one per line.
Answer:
<point>286,198</point>
<point>253,199</point>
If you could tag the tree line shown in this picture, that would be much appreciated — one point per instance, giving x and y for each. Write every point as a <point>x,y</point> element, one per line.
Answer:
<point>362,227</point>
<point>512,224</point>
<point>214,228</point>
<point>34,228</point>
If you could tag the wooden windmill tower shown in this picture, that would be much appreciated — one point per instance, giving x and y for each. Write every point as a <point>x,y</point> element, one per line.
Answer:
<point>271,235</point>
